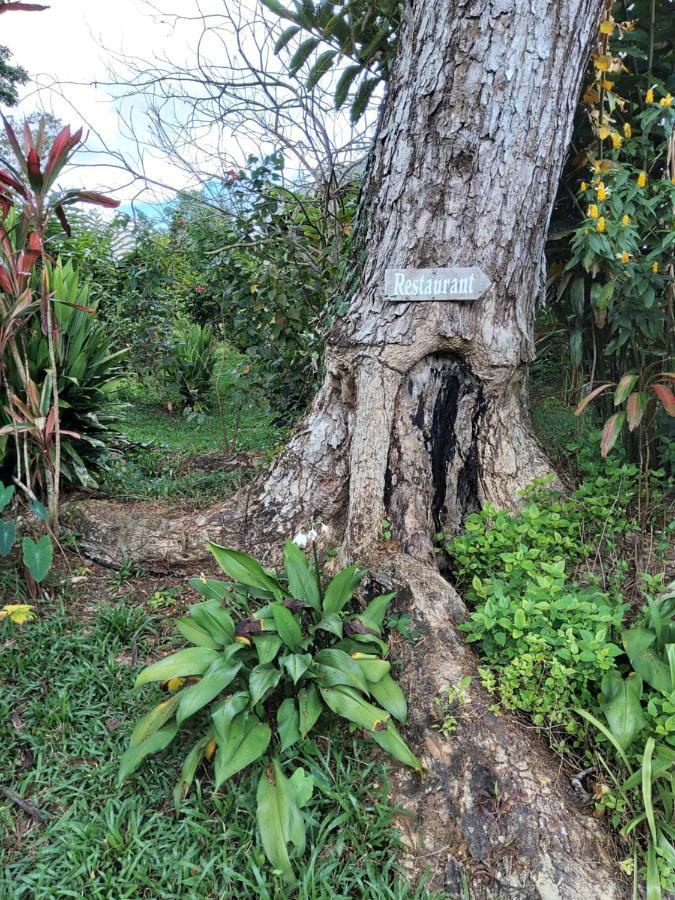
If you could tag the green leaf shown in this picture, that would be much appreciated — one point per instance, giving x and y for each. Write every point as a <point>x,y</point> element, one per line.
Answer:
<point>611,432</point>
<point>248,740</point>
<point>287,626</point>
<point>332,624</point>
<point>362,98</point>
<point>216,678</point>
<point>653,877</point>
<point>6,494</point>
<point>211,588</point>
<point>153,720</point>
<point>296,664</point>
<point>134,756</point>
<point>285,37</point>
<point>210,616</point>
<point>344,84</point>
<point>578,296</point>
<point>310,708</point>
<point>279,820</point>
<point>302,54</point>
<point>266,646</point>
<point>287,723</point>
<point>373,615</point>
<point>37,509</point>
<point>622,706</point>
<point>302,581</point>
<point>225,713</point>
<point>341,588</point>
<point>373,670</point>
<point>38,557</point>
<point>245,570</point>
<point>322,65</point>
<point>301,785</point>
<point>262,680</point>
<point>391,741</point>
<point>338,667</point>
<point>193,661</point>
<point>639,642</point>
<point>7,536</point>
<point>279,10</point>
<point>647,788</point>
<point>189,768</point>
<point>193,633</point>
<point>635,409</point>
<point>349,704</point>
<point>390,697</point>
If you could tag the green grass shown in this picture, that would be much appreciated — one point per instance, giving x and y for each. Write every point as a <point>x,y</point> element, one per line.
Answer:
<point>66,709</point>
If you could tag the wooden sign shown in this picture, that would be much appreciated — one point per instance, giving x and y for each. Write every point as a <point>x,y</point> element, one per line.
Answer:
<point>435,284</point>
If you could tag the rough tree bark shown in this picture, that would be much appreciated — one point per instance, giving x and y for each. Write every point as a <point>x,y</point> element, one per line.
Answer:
<point>423,415</point>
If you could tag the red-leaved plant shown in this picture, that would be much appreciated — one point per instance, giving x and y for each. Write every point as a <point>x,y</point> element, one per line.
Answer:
<point>28,198</point>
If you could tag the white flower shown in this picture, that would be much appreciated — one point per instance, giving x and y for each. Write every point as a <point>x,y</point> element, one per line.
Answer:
<point>301,540</point>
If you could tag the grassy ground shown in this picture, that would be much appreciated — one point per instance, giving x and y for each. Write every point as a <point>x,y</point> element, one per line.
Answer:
<point>66,710</point>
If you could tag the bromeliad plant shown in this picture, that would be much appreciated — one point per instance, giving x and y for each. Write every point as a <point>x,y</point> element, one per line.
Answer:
<point>254,688</point>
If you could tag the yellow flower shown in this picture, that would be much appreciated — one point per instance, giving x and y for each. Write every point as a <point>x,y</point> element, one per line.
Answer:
<point>625,221</point>
<point>602,193</point>
<point>617,140</point>
<point>601,63</point>
<point>600,226</point>
<point>649,96</point>
<point>606,85</point>
<point>583,186</point>
<point>627,131</point>
<point>624,257</point>
<point>606,27</point>
<point>604,132</point>
<point>642,179</point>
<point>17,613</point>
<point>210,750</point>
<point>666,101</point>
<point>592,211</point>
<point>174,683</point>
<point>655,268</point>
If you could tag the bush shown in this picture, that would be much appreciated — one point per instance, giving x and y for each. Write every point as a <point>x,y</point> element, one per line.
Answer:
<point>189,365</point>
<point>295,654</point>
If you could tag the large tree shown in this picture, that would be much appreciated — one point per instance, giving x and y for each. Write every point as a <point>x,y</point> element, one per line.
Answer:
<point>423,414</point>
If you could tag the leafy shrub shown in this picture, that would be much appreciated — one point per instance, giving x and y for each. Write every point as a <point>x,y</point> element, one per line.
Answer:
<point>88,374</point>
<point>295,653</point>
<point>549,642</point>
<point>190,363</point>
<point>36,555</point>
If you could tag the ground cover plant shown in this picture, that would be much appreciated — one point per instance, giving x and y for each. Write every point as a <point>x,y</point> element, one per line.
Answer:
<point>66,709</point>
<point>566,639</point>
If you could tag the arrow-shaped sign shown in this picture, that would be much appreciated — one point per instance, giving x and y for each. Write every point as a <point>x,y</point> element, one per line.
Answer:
<point>435,284</point>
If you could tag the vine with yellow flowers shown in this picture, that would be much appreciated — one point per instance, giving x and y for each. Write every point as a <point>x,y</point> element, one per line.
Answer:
<point>614,283</point>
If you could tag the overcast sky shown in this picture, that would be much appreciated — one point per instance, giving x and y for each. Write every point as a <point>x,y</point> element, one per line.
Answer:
<point>74,43</point>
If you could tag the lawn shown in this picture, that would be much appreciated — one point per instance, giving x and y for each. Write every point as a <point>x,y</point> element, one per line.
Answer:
<point>66,710</point>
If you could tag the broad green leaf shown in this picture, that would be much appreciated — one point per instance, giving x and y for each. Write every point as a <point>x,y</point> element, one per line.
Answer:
<point>622,707</point>
<point>362,98</point>
<point>287,723</point>
<point>345,81</point>
<point>6,494</point>
<point>322,65</point>
<point>338,667</point>
<point>302,581</point>
<point>374,613</point>
<point>189,768</point>
<point>7,536</point>
<point>279,820</point>
<point>262,680</point>
<point>245,569</point>
<point>224,714</point>
<point>37,557</point>
<point>193,661</point>
<point>639,644</point>
<point>349,704</point>
<point>193,633</point>
<point>391,741</point>
<point>332,624</point>
<point>247,742</point>
<point>301,785</point>
<point>653,878</point>
<point>390,697</point>
<point>303,53</point>
<point>210,588</point>
<point>216,678</point>
<point>285,37</point>
<point>610,432</point>
<point>340,589</point>
<point>134,756</point>
<point>153,720</point>
<point>210,616</point>
<point>296,664</point>
<point>310,707</point>
<point>374,670</point>
<point>266,646</point>
<point>287,626</point>
<point>277,8</point>
<point>37,509</point>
